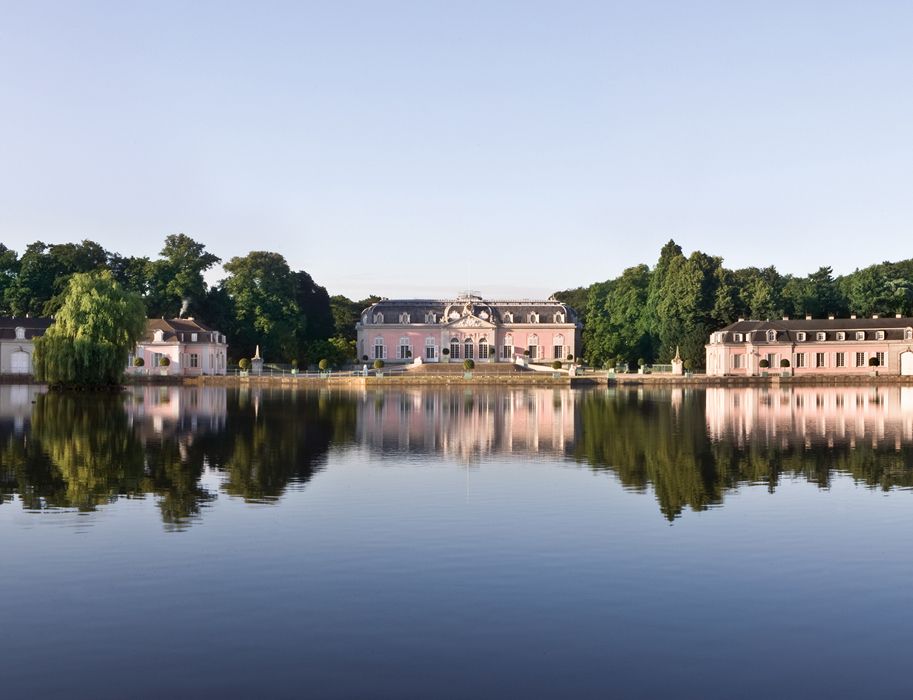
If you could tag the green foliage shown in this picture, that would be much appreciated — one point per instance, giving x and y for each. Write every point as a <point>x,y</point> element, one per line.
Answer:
<point>138,362</point>
<point>557,364</point>
<point>688,365</point>
<point>323,365</point>
<point>469,364</point>
<point>873,361</point>
<point>784,363</point>
<point>164,361</point>
<point>378,364</point>
<point>294,363</point>
<point>244,364</point>
<point>764,364</point>
<point>97,326</point>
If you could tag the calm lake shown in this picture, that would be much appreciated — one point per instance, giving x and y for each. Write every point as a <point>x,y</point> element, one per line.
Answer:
<point>188,542</point>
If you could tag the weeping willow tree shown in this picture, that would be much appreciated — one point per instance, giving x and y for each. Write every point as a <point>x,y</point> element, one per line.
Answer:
<point>93,333</point>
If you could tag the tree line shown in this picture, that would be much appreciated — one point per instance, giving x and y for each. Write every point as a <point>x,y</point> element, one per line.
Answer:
<point>647,312</point>
<point>261,300</point>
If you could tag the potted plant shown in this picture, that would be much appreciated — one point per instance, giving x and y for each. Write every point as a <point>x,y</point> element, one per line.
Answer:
<point>378,367</point>
<point>294,366</point>
<point>445,355</point>
<point>687,365</point>
<point>641,365</point>
<point>323,365</point>
<point>874,363</point>
<point>764,364</point>
<point>557,364</point>
<point>784,367</point>
<point>138,362</point>
<point>244,366</point>
<point>164,363</point>
<point>468,366</point>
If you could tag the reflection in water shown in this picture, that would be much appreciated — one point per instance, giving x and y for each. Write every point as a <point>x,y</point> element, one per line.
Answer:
<point>689,446</point>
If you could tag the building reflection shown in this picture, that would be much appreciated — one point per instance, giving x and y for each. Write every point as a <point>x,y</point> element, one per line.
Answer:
<point>879,415</point>
<point>467,424</point>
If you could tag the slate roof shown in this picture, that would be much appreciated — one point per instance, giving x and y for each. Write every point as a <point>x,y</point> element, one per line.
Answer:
<point>418,308</point>
<point>34,326</point>
<point>786,330</point>
<point>179,330</point>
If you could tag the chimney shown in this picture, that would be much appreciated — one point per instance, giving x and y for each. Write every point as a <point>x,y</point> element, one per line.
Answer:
<point>830,317</point>
<point>897,316</point>
<point>808,317</point>
<point>741,319</point>
<point>786,318</point>
<point>852,315</point>
<point>874,315</point>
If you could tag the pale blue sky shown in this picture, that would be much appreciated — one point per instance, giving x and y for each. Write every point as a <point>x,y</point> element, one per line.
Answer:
<point>405,147</point>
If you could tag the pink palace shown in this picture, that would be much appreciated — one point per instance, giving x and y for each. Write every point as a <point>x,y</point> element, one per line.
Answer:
<point>844,346</point>
<point>467,327</point>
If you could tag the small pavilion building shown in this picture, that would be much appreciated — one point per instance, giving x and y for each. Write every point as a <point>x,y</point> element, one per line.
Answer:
<point>17,345</point>
<point>192,348</point>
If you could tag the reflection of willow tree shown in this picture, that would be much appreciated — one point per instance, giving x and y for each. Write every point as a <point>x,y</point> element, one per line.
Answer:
<point>174,468</point>
<point>25,469</point>
<point>281,437</point>
<point>648,441</point>
<point>89,442</point>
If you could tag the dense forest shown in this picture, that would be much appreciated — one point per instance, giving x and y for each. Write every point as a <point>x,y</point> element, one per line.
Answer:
<point>645,313</point>
<point>261,301</point>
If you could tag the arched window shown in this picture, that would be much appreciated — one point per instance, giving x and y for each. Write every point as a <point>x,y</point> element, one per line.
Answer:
<point>380,350</point>
<point>20,333</point>
<point>483,349</point>
<point>404,318</point>
<point>430,348</point>
<point>532,317</point>
<point>533,346</point>
<point>558,347</point>
<point>430,317</point>
<point>468,349</point>
<point>908,334</point>
<point>378,318</point>
<point>508,317</point>
<point>771,336</point>
<point>455,348</point>
<point>507,349</point>
<point>559,317</point>
<point>405,349</point>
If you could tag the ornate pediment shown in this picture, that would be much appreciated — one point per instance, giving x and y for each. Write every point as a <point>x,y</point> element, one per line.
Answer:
<point>470,322</point>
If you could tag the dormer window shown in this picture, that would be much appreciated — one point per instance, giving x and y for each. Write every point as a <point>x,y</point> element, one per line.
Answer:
<point>860,335</point>
<point>771,336</point>
<point>20,333</point>
<point>533,318</point>
<point>158,336</point>
<point>820,336</point>
<point>378,318</point>
<point>841,335</point>
<point>404,318</point>
<point>559,318</point>
<point>430,317</point>
<point>737,337</point>
<point>879,335</point>
<point>508,317</point>
<point>908,334</point>
<point>193,337</point>
<point>800,336</point>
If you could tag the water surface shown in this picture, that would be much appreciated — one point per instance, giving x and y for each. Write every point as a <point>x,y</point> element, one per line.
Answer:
<point>456,542</point>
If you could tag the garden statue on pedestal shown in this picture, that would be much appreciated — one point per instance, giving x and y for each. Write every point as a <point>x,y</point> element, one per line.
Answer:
<point>256,362</point>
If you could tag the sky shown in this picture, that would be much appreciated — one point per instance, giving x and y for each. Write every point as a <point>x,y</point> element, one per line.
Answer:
<point>423,148</point>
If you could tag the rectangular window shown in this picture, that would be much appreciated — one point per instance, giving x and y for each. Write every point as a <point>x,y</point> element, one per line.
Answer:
<point>533,351</point>
<point>429,352</point>
<point>841,335</point>
<point>860,335</point>
<point>736,362</point>
<point>819,359</point>
<point>738,337</point>
<point>194,360</point>
<point>840,358</point>
<point>820,336</point>
<point>771,360</point>
<point>800,336</point>
<point>559,352</point>
<point>507,352</point>
<point>879,335</point>
<point>800,359</point>
<point>860,359</point>
<point>881,358</point>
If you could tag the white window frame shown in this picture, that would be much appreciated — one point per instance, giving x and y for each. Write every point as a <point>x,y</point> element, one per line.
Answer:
<point>841,335</point>
<point>840,360</point>
<point>737,337</point>
<point>821,356</point>
<point>404,349</point>
<point>800,336</point>
<point>820,336</point>
<point>771,336</point>
<point>879,335</point>
<point>859,359</point>
<point>484,348</point>
<point>860,335</point>
<point>430,348</point>
<point>381,353</point>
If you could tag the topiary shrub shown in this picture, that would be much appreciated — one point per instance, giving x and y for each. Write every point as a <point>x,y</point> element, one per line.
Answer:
<point>641,362</point>
<point>244,364</point>
<point>556,364</point>
<point>164,361</point>
<point>764,364</point>
<point>688,365</point>
<point>526,353</point>
<point>469,364</point>
<point>570,357</point>
<point>138,362</point>
<point>378,364</point>
<point>873,362</point>
<point>323,365</point>
<point>294,364</point>
<point>364,358</point>
<point>784,363</point>
<point>445,351</point>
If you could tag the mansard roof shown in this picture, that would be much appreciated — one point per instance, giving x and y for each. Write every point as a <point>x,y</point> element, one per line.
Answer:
<point>787,329</point>
<point>520,308</point>
<point>177,329</point>
<point>34,326</point>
